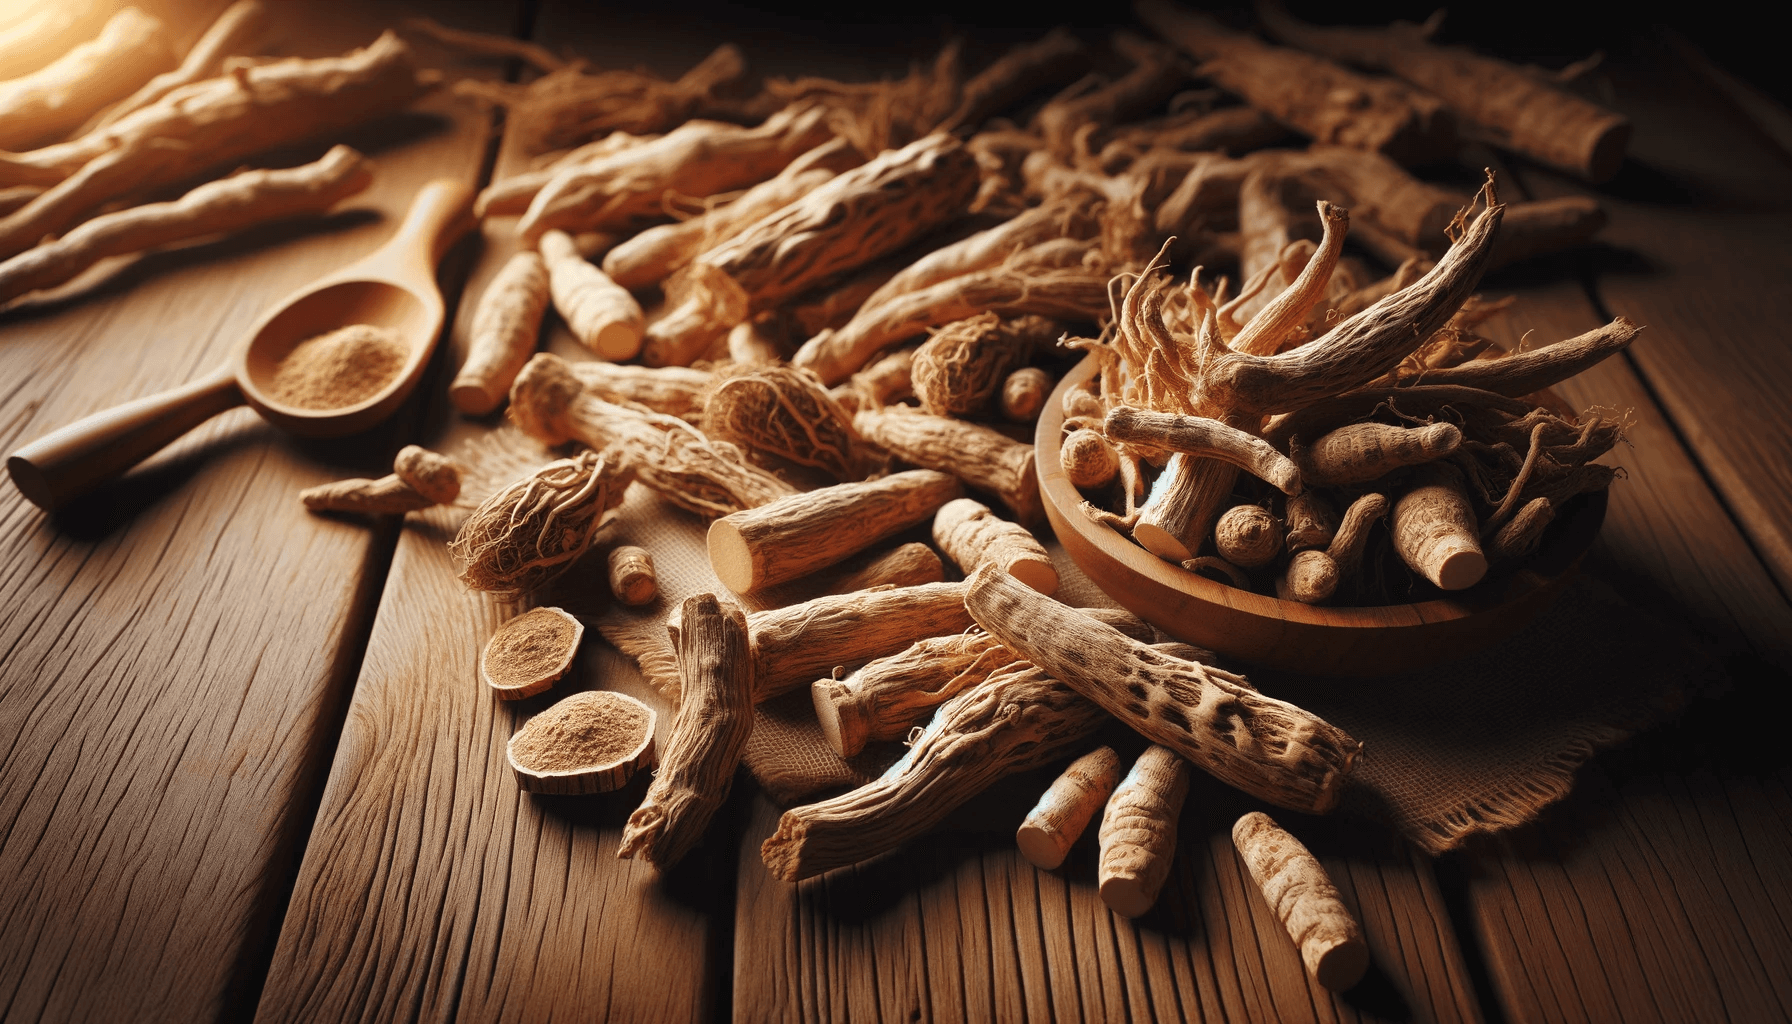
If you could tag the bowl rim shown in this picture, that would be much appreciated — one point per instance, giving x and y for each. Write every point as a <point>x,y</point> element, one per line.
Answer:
<point>1061,499</point>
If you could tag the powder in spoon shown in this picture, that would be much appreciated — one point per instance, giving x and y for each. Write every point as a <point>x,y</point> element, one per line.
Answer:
<point>338,369</point>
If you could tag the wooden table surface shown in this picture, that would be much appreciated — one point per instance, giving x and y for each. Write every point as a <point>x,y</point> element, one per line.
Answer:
<point>247,770</point>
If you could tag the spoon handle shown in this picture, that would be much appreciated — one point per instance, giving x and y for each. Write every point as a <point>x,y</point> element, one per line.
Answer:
<point>66,463</point>
<point>436,218</point>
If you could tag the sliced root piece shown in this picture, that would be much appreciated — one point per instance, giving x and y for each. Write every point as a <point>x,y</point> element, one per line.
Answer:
<point>795,536</point>
<point>973,536</point>
<point>633,580</point>
<point>1065,809</point>
<point>1301,895</point>
<point>1138,831</point>
<point>1435,530</point>
<point>590,742</point>
<point>528,654</point>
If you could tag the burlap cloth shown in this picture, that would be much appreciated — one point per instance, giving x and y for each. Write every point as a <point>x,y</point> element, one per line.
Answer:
<point>1476,745</point>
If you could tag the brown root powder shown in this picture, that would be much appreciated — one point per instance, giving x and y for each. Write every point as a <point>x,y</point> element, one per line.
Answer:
<point>529,652</point>
<point>586,730</point>
<point>340,368</point>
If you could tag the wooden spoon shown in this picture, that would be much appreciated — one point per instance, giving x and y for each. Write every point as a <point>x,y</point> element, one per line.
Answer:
<point>392,287</point>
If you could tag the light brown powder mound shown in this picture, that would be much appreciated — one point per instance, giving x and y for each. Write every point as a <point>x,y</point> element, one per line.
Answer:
<point>338,369</point>
<point>528,653</point>
<point>590,742</point>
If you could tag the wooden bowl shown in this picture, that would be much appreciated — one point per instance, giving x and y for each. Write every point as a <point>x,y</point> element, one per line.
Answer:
<point>1288,635</point>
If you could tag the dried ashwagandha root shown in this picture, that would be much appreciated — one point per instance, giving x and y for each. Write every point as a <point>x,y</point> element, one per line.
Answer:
<point>1018,719</point>
<point>1533,370</point>
<point>908,565</point>
<point>782,416</point>
<point>1024,394</point>
<point>220,207</point>
<point>848,221</point>
<point>1248,536</point>
<point>512,194</point>
<point>591,742</point>
<point>420,478</point>
<point>795,536</point>
<point>210,123</point>
<point>973,536</point>
<point>1435,530</point>
<point>602,314</point>
<point>1065,291</point>
<point>1055,57</point>
<point>1089,461</point>
<point>1064,810</point>
<point>1292,758</point>
<point>674,390</point>
<point>571,103</point>
<point>506,324</point>
<point>528,654</point>
<point>53,100</point>
<point>958,370</point>
<point>1317,97</point>
<point>1520,110</point>
<point>1303,898</point>
<point>797,645</point>
<point>651,256</point>
<point>234,33</point>
<point>1360,452</point>
<point>699,158</point>
<point>633,580</point>
<point>532,531</point>
<point>979,456</point>
<point>1078,112</point>
<point>890,379</point>
<point>1520,536</point>
<point>1205,438</point>
<point>709,733</point>
<point>1138,831</point>
<point>711,478</point>
<point>886,696</point>
<point>1310,577</point>
<point>1312,522</point>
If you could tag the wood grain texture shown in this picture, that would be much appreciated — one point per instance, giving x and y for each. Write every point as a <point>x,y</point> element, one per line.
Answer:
<point>1702,215</point>
<point>175,652</point>
<point>1665,898</point>
<point>432,886</point>
<point>958,926</point>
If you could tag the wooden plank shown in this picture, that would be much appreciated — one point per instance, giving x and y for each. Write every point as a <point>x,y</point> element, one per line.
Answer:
<point>1664,898</point>
<point>433,886</point>
<point>175,653</point>
<point>979,933</point>
<point>1702,215</point>
<point>1612,908</point>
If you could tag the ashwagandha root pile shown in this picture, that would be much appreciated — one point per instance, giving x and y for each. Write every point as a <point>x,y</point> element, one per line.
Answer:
<point>850,301</point>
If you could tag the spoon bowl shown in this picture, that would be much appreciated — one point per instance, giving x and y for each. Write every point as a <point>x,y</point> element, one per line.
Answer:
<point>393,287</point>
<point>377,303</point>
